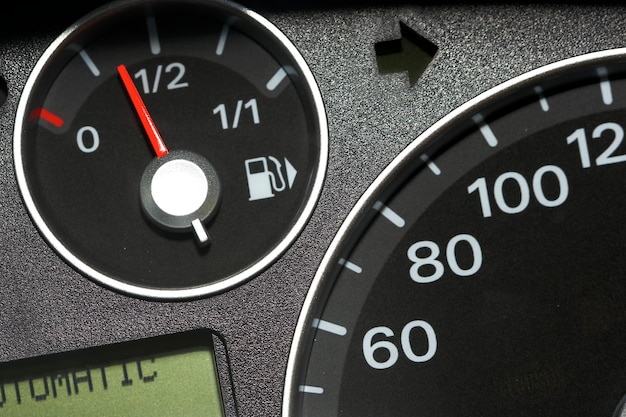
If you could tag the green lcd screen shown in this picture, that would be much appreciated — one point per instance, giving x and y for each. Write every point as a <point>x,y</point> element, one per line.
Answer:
<point>174,375</point>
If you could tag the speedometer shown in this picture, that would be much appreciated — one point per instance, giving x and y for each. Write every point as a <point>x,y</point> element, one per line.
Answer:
<point>483,272</point>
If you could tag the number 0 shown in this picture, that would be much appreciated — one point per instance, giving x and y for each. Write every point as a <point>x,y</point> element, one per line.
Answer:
<point>477,255</point>
<point>91,132</point>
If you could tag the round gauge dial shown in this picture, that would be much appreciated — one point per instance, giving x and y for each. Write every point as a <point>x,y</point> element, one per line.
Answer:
<point>482,274</point>
<point>171,149</point>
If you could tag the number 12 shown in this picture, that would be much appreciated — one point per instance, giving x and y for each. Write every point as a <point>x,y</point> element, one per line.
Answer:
<point>608,156</point>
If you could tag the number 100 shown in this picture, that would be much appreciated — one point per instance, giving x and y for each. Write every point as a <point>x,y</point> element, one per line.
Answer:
<point>505,205</point>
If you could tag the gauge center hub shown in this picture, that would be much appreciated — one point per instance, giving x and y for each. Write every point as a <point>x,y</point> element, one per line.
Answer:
<point>179,187</point>
<point>180,190</point>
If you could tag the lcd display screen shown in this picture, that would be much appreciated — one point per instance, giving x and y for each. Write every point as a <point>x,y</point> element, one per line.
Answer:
<point>173,375</point>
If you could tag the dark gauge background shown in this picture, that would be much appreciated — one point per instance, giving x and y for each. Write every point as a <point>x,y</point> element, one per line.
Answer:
<point>536,327</point>
<point>90,200</point>
<point>48,307</point>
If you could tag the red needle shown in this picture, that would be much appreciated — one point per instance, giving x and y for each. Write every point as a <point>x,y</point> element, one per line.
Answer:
<point>142,111</point>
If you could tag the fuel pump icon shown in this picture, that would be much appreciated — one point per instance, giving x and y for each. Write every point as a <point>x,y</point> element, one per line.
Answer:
<point>266,177</point>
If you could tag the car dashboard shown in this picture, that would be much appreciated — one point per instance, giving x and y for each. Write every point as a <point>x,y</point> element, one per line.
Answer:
<point>52,308</point>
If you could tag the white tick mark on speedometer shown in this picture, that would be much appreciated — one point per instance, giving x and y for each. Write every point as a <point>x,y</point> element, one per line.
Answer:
<point>545,106</point>
<point>308,389</point>
<point>485,130</point>
<point>330,327</point>
<point>389,214</point>
<point>351,266</point>
<point>430,164</point>
<point>605,85</point>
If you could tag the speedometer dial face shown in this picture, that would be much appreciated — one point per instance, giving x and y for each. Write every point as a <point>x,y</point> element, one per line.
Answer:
<point>483,273</point>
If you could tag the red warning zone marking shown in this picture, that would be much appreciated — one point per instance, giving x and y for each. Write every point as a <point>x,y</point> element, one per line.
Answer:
<point>46,115</point>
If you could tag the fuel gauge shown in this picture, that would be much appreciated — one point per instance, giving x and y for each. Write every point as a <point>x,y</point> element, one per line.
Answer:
<point>171,149</point>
